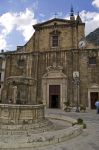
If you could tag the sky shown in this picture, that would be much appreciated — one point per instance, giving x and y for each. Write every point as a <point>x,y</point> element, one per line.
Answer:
<point>17,17</point>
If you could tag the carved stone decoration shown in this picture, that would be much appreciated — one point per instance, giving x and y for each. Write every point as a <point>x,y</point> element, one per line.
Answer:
<point>55,31</point>
<point>17,80</point>
<point>54,67</point>
<point>20,114</point>
<point>92,53</point>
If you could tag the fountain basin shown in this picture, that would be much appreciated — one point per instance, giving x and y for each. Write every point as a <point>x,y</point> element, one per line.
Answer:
<point>21,114</point>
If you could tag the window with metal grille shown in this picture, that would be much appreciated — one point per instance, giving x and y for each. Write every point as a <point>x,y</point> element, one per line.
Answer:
<point>92,60</point>
<point>55,41</point>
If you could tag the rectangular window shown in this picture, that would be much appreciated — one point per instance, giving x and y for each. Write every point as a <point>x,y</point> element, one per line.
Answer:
<point>92,60</point>
<point>21,63</point>
<point>55,41</point>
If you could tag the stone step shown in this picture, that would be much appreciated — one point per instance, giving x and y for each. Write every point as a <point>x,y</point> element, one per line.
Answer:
<point>26,129</point>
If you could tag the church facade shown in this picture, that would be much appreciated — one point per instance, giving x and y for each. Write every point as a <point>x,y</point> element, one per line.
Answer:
<point>56,65</point>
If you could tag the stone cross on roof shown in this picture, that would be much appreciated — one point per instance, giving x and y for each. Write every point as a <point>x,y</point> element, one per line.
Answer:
<point>55,15</point>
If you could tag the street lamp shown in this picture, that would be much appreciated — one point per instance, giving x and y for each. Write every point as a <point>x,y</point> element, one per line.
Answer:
<point>76,82</point>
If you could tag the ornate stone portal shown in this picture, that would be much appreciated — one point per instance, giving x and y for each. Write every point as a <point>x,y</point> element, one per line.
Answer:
<point>55,78</point>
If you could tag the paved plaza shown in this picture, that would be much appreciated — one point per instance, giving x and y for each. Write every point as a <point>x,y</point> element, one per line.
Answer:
<point>88,140</point>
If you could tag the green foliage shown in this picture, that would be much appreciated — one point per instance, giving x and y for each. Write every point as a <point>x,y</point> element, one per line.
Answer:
<point>67,109</point>
<point>67,106</point>
<point>84,126</point>
<point>74,123</point>
<point>67,103</point>
<point>80,121</point>
<point>82,108</point>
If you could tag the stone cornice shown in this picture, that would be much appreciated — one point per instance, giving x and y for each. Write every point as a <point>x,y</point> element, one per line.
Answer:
<point>72,24</point>
<point>52,20</point>
<point>67,23</point>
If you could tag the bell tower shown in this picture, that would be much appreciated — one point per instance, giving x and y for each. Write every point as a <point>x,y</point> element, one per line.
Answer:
<point>72,17</point>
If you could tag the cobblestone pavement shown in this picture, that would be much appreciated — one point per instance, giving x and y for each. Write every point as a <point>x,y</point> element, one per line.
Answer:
<point>88,140</point>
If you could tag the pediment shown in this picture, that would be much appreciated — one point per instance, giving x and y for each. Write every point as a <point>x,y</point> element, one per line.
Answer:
<point>94,85</point>
<point>55,21</point>
<point>54,75</point>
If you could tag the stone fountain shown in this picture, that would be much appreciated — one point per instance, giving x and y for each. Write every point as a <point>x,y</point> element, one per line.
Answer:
<point>19,104</point>
<point>23,124</point>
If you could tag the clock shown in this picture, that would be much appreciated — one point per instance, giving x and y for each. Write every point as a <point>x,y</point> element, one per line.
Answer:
<point>82,44</point>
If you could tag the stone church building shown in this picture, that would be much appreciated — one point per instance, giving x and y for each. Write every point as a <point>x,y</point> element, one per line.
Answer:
<point>56,65</point>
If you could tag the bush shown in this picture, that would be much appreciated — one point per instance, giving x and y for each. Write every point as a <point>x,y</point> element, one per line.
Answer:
<point>84,126</point>
<point>82,108</point>
<point>80,121</point>
<point>67,103</point>
<point>67,106</point>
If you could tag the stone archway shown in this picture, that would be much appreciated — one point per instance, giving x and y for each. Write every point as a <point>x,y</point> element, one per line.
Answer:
<point>53,79</point>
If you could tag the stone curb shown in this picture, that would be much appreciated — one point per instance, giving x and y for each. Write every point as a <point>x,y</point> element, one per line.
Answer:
<point>46,138</point>
<point>62,117</point>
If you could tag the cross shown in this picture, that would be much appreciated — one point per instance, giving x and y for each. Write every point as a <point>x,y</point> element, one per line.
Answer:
<point>55,15</point>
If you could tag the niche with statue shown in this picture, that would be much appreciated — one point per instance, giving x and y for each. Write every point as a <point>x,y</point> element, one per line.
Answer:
<point>20,90</point>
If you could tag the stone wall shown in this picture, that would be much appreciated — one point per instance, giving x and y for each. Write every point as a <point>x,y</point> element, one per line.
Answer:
<point>71,60</point>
